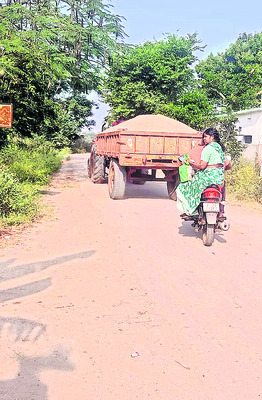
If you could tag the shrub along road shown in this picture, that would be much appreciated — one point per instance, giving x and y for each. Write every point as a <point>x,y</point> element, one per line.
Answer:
<point>120,300</point>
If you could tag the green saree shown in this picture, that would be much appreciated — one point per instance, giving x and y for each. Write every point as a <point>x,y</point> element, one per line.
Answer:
<point>189,193</point>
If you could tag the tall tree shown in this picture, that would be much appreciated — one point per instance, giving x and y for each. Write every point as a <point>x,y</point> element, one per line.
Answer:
<point>51,55</point>
<point>157,77</point>
<point>233,79</point>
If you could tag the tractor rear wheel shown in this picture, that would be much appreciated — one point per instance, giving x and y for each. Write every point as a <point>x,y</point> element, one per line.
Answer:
<point>97,167</point>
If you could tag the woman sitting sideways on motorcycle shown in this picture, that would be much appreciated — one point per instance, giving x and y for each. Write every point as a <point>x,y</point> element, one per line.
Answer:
<point>210,171</point>
<point>195,154</point>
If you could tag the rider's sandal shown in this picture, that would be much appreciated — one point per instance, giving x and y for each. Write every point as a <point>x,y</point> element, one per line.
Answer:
<point>221,217</point>
<point>185,217</point>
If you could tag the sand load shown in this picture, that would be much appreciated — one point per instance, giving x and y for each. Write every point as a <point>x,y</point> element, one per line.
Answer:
<point>152,123</point>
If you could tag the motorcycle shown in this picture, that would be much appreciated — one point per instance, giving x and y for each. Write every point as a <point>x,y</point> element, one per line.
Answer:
<point>209,217</point>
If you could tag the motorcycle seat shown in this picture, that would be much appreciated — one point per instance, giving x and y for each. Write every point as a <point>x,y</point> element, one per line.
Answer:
<point>216,187</point>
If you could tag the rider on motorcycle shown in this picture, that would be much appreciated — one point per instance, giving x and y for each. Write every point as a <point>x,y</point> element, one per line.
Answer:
<point>210,171</point>
<point>195,154</point>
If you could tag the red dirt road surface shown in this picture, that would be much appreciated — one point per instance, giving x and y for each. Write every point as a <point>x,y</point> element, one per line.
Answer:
<point>109,300</point>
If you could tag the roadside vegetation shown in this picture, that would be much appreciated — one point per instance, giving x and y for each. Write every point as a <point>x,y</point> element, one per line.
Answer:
<point>244,181</point>
<point>51,58</point>
<point>26,165</point>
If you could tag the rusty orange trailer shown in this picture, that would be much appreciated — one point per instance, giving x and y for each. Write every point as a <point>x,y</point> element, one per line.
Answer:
<point>135,149</point>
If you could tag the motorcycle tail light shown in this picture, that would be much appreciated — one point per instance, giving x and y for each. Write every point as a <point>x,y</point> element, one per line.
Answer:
<point>211,194</point>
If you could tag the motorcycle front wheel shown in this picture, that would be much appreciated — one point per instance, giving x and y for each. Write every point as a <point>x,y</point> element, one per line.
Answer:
<point>208,234</point>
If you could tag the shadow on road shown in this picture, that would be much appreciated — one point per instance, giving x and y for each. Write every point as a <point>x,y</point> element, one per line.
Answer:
<point>72,172</point>
<point>24,290</point>
<point>187,230</point>
<point>150,190</point>
<point>24,329</point>
<point>25,269</point>
<point>27,384</point>
<point>48,192</point>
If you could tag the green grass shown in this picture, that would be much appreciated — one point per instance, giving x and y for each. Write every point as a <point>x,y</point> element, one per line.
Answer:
<point>25,166</point>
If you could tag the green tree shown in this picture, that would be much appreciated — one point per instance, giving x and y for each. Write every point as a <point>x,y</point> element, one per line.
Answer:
<point>193,108</point>
<point>51,55</point>
<point>233,79</point>
<point>157,77</point>
<point>226,125</point>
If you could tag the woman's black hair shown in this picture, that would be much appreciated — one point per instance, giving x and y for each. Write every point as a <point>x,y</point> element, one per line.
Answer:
<point>214,132</point>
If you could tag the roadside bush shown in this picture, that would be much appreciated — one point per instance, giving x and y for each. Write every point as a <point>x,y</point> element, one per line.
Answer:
<point>244,181</point>
<point>35,166</point>
<point>25,165</point>
<point>17,200</point>
<point>31,160</point>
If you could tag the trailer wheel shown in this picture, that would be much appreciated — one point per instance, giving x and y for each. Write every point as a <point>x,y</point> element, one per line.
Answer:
<point>97,167</point>
<point>171,187</point>
<point>116,180</point>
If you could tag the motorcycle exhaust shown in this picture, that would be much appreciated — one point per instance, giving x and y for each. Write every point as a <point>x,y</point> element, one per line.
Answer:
<point>224,226</point>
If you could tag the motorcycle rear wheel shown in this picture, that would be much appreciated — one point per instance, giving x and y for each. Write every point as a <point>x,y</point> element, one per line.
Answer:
<point>208,234</point>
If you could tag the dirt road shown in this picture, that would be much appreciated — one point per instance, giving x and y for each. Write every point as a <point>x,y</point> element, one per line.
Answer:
<point>111,300</point>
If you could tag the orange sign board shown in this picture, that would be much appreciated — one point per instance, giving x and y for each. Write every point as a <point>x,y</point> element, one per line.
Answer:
<point>6,115</point>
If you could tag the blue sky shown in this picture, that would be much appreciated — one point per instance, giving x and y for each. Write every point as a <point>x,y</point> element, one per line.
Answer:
<point>218,23</point>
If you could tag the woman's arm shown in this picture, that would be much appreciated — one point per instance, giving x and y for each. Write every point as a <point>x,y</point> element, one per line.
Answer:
<point>227,163</point>
<point>201,165</point>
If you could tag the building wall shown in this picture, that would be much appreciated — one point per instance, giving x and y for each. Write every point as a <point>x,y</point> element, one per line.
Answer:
<point>250,122</point>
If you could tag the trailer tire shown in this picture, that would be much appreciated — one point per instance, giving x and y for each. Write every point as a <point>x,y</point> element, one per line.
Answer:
<point>97,167</point>
<point>171,187</point>
<point>116,180</point>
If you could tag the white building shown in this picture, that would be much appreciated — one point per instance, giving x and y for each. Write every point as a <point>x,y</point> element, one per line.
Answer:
<point>250,124</point>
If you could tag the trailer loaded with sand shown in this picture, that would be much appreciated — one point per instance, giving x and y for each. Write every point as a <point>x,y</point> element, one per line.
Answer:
<point>134,150</point>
